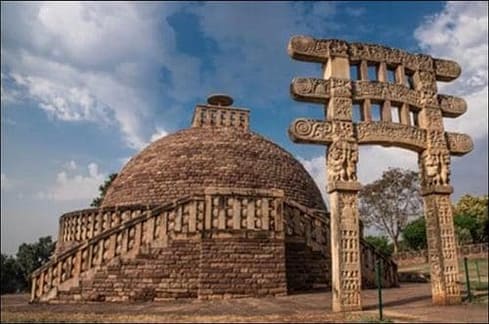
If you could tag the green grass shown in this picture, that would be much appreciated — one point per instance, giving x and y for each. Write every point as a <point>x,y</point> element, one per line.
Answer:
<point>471,263</point>
<point>479,284</point>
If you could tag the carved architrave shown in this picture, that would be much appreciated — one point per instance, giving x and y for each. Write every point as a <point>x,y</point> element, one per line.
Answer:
<point>311,89</point>
<point>320,91</point>
<point>320,50</point>
<point>459,144</point>
<point>386,133</point>
<point>451,106</point>
<point>446,70</point>
<point>311,131</point>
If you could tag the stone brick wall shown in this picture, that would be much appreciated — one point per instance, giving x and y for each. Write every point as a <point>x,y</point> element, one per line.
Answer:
<point>306,269</point>
<point>161,273</point>
<point>242,267</point>
<point>203,268</point>
<point>186,162</point>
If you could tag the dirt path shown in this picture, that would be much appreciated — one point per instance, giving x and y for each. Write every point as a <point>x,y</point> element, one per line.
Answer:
<point>410,303</point>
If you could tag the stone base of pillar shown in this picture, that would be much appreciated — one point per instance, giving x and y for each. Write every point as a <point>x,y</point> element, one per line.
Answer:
<point>442,300</point>
<point>338,308</point>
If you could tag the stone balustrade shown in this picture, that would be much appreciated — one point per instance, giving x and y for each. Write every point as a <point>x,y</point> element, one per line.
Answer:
<point>313,227</point>
<point>218,213</point>
<point>82,225</point>
<point>219,210</point>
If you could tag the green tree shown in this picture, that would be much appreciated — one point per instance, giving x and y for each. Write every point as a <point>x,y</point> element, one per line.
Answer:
<point>467,228</point>
<point>97,202</point>
<point>31,256</point>
<point>389,202</point>
<point>414,234</point>
<point>381,243</point>
<point>472,205</point>
<point>11,277</point>
<point>471,219</point>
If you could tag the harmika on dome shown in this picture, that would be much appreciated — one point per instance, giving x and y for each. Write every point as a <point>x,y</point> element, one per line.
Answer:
<point>213,211</point>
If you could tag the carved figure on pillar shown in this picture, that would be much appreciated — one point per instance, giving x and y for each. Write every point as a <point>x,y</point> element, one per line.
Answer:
<point>342,161</point>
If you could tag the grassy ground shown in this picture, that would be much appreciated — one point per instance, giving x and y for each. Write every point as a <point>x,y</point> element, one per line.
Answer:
<point>479,281</point>
<point>483,269</point>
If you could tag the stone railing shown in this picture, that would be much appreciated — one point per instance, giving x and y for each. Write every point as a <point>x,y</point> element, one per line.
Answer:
<point>218,210</point>
<point>309,224</point>
<point>221,117</point>
<point>313,226</point>
<point>418,257</point>
<point>370,256</point>
<point>82,225</point>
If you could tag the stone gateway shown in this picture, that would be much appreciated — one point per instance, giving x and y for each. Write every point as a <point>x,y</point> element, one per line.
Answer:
<point>212,211</point>
<point>402,86</point>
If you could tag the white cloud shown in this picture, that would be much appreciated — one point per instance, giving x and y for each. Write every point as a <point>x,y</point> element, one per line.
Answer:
<point>316,167</point>
<point>69,187</point>
<point>158,134</point>
<point>62,101</point>
<point>459,33</point>
<point>71,165</point>
<point>94,62</point>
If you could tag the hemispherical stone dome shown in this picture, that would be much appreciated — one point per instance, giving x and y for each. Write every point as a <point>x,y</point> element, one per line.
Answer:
<point>188,161</point>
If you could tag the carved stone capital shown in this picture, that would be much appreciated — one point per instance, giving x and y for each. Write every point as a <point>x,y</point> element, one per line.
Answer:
<point>342,159</point>
<point>343,186</point>
<point>429,190</point>
<point>434,165</point>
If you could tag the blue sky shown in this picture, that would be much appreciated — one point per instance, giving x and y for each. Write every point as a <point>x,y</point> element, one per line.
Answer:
<point>86,86</point>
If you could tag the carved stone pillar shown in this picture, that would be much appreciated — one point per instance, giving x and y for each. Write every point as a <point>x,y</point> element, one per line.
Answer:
<point>345,235</point>
<point>341,159</point>
<point>434,164</point>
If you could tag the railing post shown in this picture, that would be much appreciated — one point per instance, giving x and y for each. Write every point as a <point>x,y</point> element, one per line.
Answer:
<point>467,280</point>
<point>378,274</point>
<point>478,272</point>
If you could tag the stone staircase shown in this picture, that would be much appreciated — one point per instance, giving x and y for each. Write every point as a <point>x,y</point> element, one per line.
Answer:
<point>94,243</point>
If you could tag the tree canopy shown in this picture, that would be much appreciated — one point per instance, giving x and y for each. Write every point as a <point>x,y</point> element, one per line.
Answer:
<point>97,202</point>
<point>414,234</point>
<point>16,271</point>
<point>388,203</point>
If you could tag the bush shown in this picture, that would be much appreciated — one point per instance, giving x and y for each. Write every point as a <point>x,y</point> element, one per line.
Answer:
<point>414,234</point>
<point>381,243</point>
